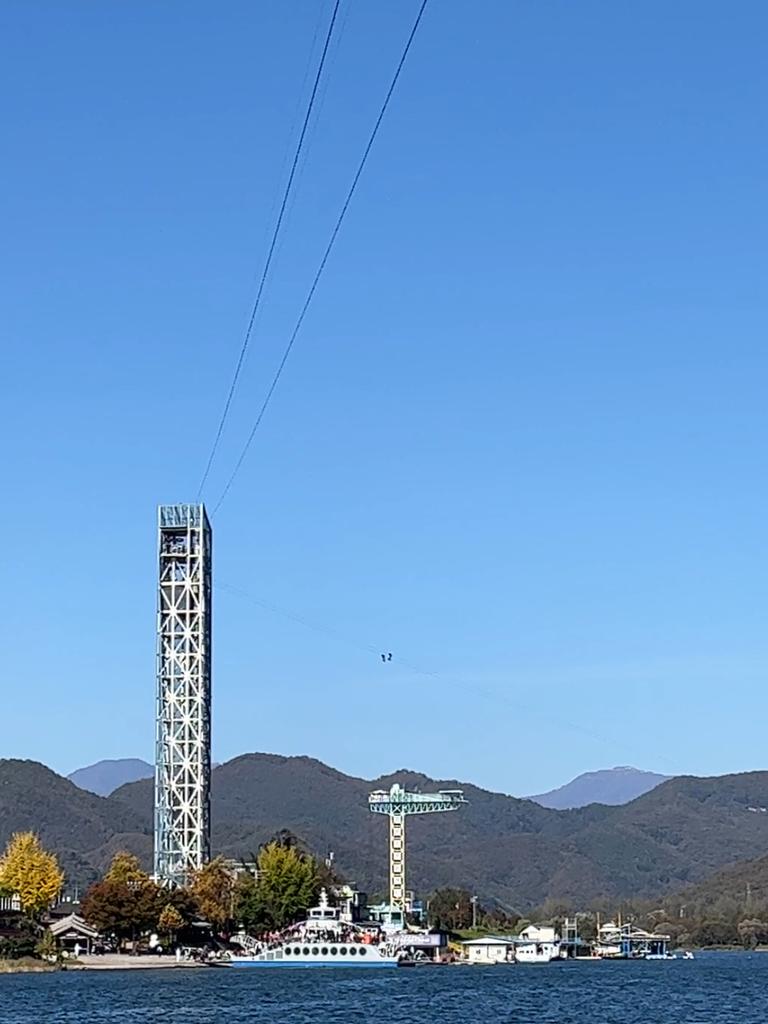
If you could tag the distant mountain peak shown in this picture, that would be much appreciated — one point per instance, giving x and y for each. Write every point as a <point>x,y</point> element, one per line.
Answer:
<point>611,786</point>
<point>104,777</point>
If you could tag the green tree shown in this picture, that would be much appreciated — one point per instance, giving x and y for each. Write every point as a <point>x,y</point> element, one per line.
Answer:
<point>18,936</point>
<point>288,883</point>
<point>499,920</point>
<point>46,947</point>
<point>715,933</point>
<point>19,943</point>
<point>753,933</point>
<point>30,872</point>
<point>450,910</point>
<point>249,911</point>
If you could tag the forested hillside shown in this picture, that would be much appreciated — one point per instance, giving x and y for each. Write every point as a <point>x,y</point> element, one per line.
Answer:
<point>507,850</point>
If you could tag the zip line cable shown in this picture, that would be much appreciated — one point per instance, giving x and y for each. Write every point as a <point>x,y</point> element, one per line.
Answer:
<point>315,125</point>
<point>290,141</point>
<point>270,252</point>
<point>324,260</point>
<point>462,684</point>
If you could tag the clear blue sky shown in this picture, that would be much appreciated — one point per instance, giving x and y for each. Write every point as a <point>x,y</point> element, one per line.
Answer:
<point>520,442</point>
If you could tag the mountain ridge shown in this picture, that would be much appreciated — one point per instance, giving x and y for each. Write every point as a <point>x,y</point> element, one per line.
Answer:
<point>612,786</point>
<point>506,849</point>
<point>81,827</point>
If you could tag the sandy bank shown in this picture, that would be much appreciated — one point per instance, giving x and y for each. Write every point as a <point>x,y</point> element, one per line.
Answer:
<point>126,962</point>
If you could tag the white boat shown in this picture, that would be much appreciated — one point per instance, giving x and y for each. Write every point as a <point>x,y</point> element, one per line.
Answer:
<point>323,940</point>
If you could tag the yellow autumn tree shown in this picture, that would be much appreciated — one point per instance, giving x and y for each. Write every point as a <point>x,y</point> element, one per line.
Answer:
<point>212,889</point>
<point>30,872</point>
<point>126,869</point>
<point>170,921</point>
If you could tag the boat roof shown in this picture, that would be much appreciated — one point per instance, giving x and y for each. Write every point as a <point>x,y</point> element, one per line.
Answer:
<point>490,940</point>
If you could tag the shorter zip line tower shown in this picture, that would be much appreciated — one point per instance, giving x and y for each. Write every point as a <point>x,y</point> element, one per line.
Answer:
<point>398,803</point>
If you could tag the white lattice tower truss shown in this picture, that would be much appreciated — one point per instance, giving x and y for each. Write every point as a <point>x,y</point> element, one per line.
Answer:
<point>397,803</point>
<point>183,734</point>
<point>397,859</point>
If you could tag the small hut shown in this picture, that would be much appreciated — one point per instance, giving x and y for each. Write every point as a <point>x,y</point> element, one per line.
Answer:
<point>73,935</point>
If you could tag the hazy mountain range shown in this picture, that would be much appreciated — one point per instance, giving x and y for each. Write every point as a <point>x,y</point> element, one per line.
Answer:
<point>611,786</point>
<point>503,848</point>
<point>105,777</point>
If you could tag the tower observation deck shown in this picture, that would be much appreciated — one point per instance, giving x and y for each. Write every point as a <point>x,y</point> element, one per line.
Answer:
<point>183,712</point>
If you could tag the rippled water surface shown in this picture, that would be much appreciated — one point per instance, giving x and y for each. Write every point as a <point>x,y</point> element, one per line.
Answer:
<point>713,989</point>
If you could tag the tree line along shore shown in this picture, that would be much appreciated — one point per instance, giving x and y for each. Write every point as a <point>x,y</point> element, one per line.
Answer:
<point>127,912</point>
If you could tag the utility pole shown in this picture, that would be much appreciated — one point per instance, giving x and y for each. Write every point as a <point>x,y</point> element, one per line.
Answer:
<point>473,901</point>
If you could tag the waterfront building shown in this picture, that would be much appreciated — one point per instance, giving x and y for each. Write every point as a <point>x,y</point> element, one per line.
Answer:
<point>73,934</point>
<point>490,949</point>
<point>537,944</point>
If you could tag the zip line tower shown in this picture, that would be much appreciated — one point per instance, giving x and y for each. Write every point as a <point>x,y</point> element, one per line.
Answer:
<point>183,712</point>
<point>398,804</point>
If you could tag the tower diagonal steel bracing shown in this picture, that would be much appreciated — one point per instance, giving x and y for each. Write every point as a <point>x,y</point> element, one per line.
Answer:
<point>183,720</point>
<point>398,804</point>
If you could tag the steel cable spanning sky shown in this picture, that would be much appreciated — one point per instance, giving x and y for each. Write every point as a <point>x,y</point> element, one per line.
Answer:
<point>270,251</point>
<point>324,259</point>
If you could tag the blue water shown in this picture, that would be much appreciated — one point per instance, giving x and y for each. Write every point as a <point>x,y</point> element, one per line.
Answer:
<point>718,988</point>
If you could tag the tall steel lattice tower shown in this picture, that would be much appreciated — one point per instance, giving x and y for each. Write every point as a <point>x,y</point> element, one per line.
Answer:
<point>398,803</point>
<point>183,736</point>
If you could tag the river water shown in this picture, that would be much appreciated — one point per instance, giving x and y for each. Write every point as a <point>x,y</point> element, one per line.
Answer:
<point>716,988</point>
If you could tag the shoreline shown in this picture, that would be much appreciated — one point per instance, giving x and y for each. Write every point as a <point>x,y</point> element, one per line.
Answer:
<point>128,962</point>
<point>105,962</point>
<point>27,965</point>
